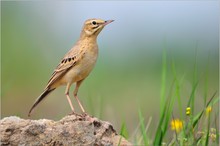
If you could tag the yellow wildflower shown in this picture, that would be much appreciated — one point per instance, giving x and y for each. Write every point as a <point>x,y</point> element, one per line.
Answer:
<point>208,110</point>
<point>176,125</point>
<point>188,110</point>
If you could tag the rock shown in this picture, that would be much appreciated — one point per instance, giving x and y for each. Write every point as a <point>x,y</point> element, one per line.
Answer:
<point>73,129</point>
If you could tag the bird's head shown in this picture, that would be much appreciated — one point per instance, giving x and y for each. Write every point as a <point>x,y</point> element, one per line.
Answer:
<point>92,27</point>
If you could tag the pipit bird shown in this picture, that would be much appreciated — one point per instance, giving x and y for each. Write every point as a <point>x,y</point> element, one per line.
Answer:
<point>77,63</point>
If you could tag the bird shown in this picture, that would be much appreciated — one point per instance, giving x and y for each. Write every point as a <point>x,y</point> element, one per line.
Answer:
<point>77,64</point>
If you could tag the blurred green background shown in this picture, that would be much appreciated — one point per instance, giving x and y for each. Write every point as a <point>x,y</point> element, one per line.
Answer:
<point>127,76</point>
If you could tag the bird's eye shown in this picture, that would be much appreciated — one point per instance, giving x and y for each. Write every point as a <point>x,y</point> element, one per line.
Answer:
<point>94,22</point>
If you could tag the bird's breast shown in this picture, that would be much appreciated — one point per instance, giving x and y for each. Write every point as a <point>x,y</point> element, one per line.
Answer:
<point>83,67</point>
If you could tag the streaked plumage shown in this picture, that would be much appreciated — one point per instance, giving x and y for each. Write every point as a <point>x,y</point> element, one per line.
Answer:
<point>77,63</point>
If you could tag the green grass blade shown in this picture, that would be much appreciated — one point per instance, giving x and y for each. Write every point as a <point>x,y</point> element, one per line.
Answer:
<point>144,135</point>
<point>159,133</point>
<point>217,128</point>
<point>191,99</point>
<point>197,118</point>
<point>198,141</point>
<point>124,131</point>
<point>206,80</point>
<point>217,136</point>
<point>211,101</point>
<point>164,120</point>
<point>195,82</point>
<point>177,91</point>
<point>195,66</point>
<point>163,80</point>
<point>207,134</point>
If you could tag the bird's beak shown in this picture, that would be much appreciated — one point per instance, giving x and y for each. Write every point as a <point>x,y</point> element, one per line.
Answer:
<point>107,22</point>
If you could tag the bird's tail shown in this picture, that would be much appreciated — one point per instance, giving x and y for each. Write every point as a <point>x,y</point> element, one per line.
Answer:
<point>40,98</point>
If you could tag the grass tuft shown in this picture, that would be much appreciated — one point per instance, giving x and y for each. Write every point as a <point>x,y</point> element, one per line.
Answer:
<point>191,127</point>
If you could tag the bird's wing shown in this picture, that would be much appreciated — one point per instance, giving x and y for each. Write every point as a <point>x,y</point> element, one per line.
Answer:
<point>69,60</point>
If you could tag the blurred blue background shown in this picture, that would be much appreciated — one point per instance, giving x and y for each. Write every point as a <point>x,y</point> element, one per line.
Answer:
<point>127,76</point>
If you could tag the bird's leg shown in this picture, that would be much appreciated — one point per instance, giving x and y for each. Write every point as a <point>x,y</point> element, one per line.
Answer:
<point>75,94</point>
<point>68,97</point>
